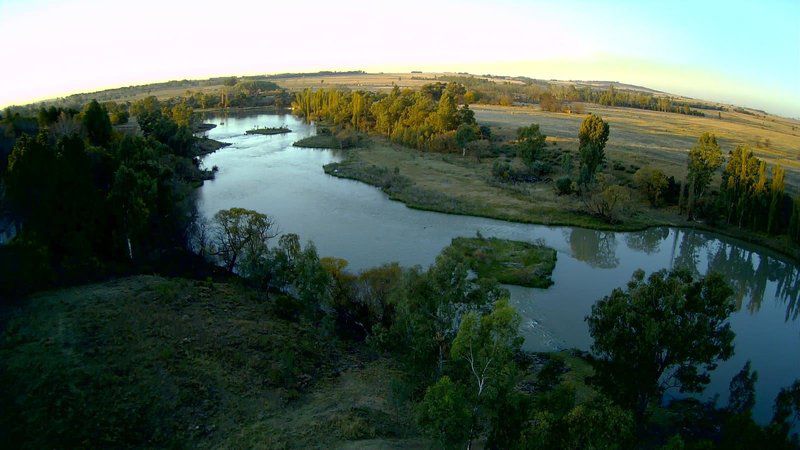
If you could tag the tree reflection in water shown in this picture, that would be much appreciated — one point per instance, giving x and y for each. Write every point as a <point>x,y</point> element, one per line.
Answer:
<point>594,247</point>
<point>647,241</point>
<point>747,271</point>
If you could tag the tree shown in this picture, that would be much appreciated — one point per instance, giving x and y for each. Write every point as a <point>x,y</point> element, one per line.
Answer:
<point>664,332</point>
<point>132,197</point>
<point>606,201</point>
<point>97,124</point>
<point>445,414</point>
<point>596,424</point>
<point>743,391</point>
<point>486,346</point>
<point>787,410</point>
<point>240,233</point>
<point>794,221</point>
<point>592,139</point>
<point>30,181</point>
<point>704,159</point>
<point>776,188</point>
<point>653,184</point>
<point>530,143</point>
<point>446,113</point>
<point>464,135</point>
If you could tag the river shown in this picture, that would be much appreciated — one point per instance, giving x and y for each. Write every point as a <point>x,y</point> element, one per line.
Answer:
<point>358,222</point>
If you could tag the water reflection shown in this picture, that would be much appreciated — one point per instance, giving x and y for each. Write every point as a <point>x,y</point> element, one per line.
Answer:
<point>647,241</point>
<point>750,272</point>
<point>594,247</point>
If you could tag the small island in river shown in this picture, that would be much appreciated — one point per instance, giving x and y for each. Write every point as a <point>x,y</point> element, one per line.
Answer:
<point>508,262</point>
<point>269,130</point>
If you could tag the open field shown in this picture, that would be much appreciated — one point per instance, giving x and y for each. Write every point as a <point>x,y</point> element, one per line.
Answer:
<point>659,139</point>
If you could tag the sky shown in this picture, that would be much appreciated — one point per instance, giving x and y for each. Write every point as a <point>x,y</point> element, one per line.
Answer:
<point>741,52</point>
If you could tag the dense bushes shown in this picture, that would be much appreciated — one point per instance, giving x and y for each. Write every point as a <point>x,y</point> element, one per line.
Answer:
<point>91,202</point>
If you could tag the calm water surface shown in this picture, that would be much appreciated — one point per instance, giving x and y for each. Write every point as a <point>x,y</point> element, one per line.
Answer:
<point>357,222</point>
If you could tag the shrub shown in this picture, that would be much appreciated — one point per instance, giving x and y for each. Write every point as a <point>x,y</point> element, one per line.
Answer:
<point>541,168</point>
<point>564,186</point>
<point>652,183</point>
<point>501,170</point>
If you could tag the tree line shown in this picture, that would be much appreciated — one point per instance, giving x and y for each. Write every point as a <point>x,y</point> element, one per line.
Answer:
<point>85,201</point>
<point>557,97</point>
<point>428,119</point>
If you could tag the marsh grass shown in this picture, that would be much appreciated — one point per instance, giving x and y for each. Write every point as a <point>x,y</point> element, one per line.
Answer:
<point>508,262</point>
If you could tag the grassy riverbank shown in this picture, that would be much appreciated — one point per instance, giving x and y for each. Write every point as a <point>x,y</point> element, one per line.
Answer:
<point>509,262</point>
<point>453,184</point>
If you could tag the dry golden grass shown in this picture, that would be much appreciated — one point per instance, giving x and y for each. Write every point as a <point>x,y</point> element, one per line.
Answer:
<point>657,138</point>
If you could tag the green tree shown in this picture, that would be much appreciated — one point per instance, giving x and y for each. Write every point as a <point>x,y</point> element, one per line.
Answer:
<point>444,413</point>
<point>592,139</point>
<point>596,424</point>
<point>794,221</point>
<point>96,123</point>
<point>787,411</point>
<point>776,187</point>
<point>530,143</point>
<point>446,118</point>
<point>30,182</point>
<point>663,332</point>
<point>743,391</point>
<point>485,345</point>
<point>240,234</point>
<point>464,135</point>
<point>653,184</point>
<point>132,197</point>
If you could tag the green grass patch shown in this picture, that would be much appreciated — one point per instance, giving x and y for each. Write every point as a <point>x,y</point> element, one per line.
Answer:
<point>509,262</point>
<point>319,141</point>
<point>269,130</point>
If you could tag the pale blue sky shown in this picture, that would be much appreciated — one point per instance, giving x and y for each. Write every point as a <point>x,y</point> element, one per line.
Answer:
<point>746,53</point>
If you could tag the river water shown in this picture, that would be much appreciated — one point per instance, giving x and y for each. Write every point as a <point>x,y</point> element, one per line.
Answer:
<point>352,220</point>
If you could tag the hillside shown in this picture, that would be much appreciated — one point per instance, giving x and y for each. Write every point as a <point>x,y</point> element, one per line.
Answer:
<point>152,362</point>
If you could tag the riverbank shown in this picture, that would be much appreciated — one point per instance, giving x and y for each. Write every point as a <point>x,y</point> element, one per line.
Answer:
<point>452,184</point>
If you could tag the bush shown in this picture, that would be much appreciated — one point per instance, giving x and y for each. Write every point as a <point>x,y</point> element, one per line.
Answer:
<point>564,186</point>
<point>541,168</point>
<point>652,183</point>
<point>501,170</point>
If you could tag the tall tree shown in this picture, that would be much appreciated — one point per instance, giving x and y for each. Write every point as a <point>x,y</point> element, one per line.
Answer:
<point>530,143</point>
<point>705,158</point>
<point>663,332</point>
<point>97,124</point>
<point>592,139</point>
<point>776,188</point>
<point>743,391</point>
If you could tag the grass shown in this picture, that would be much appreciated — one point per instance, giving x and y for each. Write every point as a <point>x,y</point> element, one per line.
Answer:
<point>453,184</point>
<point>319,141</point>
<point>508,262</point>
<point>268,131</point>
<point>153,362</point>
